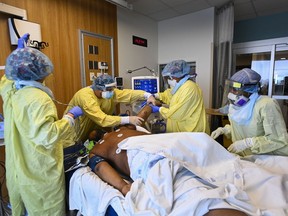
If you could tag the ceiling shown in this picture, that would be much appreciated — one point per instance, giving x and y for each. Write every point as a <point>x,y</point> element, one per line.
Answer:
<point>159,10</point>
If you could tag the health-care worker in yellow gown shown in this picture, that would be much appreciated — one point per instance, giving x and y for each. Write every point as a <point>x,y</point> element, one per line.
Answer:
<point>186,111</point>
<point>256,124</point>
<point>33,133</point>
<point>98,102</point>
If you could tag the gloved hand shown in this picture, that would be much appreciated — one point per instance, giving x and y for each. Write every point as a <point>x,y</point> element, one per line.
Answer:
<point>221,130</point>
<point>135,120</point>
<point>216,133</point>
<point>154,108</point>
<point>240,145</point>
<point>76,111</point>
<point>22,41</point>
<point>151,100</point>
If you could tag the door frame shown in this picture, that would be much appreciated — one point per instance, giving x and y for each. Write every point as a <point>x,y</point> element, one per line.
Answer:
<point>83,33</point>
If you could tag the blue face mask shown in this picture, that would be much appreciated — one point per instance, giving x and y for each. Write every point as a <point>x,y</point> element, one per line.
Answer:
<point>107,94</point>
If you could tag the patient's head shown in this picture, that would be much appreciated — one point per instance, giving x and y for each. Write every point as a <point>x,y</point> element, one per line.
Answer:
<point>96,135</point>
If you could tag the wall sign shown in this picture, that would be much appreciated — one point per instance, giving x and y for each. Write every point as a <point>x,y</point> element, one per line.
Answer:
<point>139,41</point>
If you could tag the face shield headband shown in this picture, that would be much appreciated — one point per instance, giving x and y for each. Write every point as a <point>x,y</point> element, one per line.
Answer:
<point>110,85</point>
<point>239,87</point>
<point>104,87</point>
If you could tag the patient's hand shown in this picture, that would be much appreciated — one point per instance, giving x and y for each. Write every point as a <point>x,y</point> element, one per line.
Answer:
<point>126,189</point>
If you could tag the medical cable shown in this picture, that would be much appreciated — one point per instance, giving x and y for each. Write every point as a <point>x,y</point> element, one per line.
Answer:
<point>65,104</point>
<point>80,161</point>
<point>77,121</point>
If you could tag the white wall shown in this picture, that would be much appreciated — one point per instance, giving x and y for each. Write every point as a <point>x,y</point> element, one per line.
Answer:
<point>190,37</point>
<point>131,56</point>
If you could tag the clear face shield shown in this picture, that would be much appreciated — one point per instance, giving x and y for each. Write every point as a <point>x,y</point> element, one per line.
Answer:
<point>237,93</point>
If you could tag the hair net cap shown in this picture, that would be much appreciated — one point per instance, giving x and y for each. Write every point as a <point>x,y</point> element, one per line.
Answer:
<point>246,76</point>
<point>177,68</point>
<point>102,81</point>
<point>27,64</point>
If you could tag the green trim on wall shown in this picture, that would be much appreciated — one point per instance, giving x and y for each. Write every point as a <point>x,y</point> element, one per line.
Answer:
<point>261,28</point>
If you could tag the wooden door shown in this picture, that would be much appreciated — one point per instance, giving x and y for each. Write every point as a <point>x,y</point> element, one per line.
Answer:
<point>96,56</point>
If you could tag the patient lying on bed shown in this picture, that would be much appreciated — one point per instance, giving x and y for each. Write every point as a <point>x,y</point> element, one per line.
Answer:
<point>175,174</point>
<point>107,161</point>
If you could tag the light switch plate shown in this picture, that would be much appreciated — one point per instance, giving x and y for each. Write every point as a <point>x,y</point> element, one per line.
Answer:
<point>92,75</point>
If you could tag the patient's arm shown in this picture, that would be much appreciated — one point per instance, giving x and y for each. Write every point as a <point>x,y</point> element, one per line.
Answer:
<point>108,174</point>
<point>225,212</point>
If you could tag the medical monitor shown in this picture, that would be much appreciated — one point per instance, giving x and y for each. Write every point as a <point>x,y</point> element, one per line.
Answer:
<point>146,83</point>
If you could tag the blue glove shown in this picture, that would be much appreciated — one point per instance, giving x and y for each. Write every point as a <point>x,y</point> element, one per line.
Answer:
<point>76,111</point>
<point>23,40</point>
<point>154,108</point>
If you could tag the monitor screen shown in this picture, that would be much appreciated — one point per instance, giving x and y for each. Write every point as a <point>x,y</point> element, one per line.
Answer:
<point>146,83</point>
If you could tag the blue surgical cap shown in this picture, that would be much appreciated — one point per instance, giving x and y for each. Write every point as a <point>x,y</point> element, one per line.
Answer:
<point>101,82</point>
<point>249,78</point>
<point>177,68</point>
<point>246,76</point>
<point>27,64</point>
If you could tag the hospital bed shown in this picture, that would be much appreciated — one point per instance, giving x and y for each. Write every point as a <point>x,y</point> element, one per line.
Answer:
<point>186,174</point>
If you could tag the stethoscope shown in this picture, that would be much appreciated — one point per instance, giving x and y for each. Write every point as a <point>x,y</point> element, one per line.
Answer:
<point>77,121</point>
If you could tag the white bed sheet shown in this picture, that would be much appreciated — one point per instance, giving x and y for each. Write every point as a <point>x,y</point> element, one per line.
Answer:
<point>185,173</point>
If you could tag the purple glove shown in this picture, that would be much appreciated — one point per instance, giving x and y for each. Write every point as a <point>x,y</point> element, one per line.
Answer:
<point>76,111</point>
<point>154,108</point>
<point>23,40</point>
